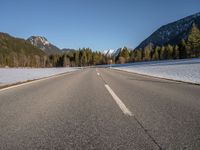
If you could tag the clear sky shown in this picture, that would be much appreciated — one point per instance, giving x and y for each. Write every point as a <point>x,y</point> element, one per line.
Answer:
<point>98,24</point>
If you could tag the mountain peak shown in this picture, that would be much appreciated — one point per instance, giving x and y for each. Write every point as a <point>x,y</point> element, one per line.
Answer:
<point>112,52</point>
<point>42,43</point>
<point>108,52</point>
<point>36,39</point>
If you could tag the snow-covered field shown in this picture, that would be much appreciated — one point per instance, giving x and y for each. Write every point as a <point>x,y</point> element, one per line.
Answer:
<point>187,70</point>
<point>14,75</point>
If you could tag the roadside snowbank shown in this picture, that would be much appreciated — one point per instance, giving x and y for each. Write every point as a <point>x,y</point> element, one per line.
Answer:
<point>187,70</point>
<point>15,75</point>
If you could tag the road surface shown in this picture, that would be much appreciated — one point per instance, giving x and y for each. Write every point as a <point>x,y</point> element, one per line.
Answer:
<point>100,108</point>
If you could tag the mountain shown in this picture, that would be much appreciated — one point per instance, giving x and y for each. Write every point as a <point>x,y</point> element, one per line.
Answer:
<point>43,44</point>
<point>172,33</point>
<point>116,52</point>
<point>19,52</point>
<point>111,52</point>
<point>108,52</point>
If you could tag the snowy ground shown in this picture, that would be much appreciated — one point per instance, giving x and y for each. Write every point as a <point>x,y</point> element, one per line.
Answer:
<point>15,75</point>
<point>187,70</point>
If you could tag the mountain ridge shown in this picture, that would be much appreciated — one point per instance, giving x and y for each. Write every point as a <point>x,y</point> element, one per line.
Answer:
<point>171,33</point>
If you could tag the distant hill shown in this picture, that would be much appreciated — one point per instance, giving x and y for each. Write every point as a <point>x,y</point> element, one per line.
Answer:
<point>43,44</point>
<point>172,33</point>
<point>64,50</point>
<point>19,52</point>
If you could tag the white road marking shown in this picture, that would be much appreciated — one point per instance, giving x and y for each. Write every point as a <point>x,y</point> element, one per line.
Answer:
<point>34,81</point>
<point>121,105</point>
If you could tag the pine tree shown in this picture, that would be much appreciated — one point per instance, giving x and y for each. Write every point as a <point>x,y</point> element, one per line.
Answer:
<point>132,58</point>
<point>125,53</point>
<point>193,42</point>
<point>169,51</point>
<point>182,50</point>
<point>147,54</point>
<point>163,53</point>
<point>66,61</point>
<point>156,53</point>
<point>137,55</point>
<point>77,62</point>
<point>175,54</point>
<point>84,58</point>
<point>89,56</point>
<point>95,58</point>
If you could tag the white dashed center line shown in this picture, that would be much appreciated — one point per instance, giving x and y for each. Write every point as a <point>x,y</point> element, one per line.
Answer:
<point>121,105</point>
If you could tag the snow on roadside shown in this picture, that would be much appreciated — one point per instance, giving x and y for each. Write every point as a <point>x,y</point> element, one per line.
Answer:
<point>15,75</point>
<point>180,70</point>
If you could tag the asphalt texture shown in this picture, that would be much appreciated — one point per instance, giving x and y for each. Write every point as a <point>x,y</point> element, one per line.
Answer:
<point>76,111</point>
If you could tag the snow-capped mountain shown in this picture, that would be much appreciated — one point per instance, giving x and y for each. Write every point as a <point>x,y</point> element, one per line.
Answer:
<point>172,33</point>
<point>116,52</point>
<point>44,44</point>
<point>112,52</point>
<point>108,52</point>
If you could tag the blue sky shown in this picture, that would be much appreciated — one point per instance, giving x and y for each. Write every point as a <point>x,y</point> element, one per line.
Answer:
<point>98,24</point>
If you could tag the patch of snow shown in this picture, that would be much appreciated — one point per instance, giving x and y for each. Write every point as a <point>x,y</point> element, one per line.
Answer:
<point>14,75</point>
<point>105,52</point>
<point>109,52</point>
<point>187,70</point>
<point>43,40</point>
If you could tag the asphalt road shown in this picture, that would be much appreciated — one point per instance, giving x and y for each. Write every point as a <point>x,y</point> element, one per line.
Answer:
<point>101,109</point>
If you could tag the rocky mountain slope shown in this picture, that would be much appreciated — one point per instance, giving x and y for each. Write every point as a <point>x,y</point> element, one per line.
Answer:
<point>43,44</point>
<point>172,33</point>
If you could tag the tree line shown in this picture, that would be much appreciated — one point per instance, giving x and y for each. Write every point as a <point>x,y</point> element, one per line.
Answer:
<point>189,48</point>
<point>15,52</point>
<point>19,53</point>
<point>22,60</point>
<point>78,58</point>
